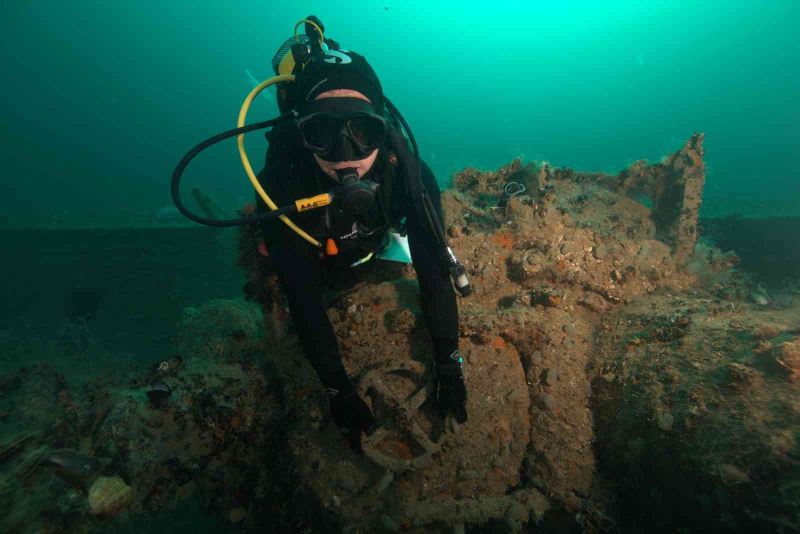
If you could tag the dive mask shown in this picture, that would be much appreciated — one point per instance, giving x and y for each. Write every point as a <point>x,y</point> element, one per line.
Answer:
<point>323,132</point>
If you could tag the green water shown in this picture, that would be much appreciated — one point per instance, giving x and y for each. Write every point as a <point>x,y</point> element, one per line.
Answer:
<point>101,99</point>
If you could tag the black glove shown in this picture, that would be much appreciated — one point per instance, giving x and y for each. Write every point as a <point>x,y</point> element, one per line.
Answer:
<point>451,393</point>
<point>352,415</point>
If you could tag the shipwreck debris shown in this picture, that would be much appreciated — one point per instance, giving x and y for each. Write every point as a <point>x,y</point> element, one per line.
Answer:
<point>676,188</point>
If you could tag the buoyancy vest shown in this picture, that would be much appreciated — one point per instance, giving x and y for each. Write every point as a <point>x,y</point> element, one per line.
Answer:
<point>358,239</point>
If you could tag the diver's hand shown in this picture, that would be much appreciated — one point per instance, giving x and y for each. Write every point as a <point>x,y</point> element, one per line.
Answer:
<point>352,415</point>
<point>451,393</point>
<point>350,411</point>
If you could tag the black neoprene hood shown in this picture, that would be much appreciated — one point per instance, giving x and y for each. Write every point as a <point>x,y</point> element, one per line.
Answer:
<point>339,69</point>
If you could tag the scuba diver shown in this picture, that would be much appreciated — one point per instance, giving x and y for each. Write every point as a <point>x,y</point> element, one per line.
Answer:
<point>343,161</point>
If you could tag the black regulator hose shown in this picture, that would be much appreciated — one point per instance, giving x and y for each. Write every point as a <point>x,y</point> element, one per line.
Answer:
<point>178,173</point>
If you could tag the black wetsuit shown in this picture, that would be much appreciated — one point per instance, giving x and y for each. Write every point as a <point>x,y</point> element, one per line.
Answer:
<point>290,174</point>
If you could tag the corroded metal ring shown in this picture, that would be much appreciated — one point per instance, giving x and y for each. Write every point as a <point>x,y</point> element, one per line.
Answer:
<point>403,417</point>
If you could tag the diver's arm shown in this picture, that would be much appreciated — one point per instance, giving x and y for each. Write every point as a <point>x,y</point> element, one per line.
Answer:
<point>297,266</point>
<point>438,296</point>
<point>296,263</point>
<point>438,303</point>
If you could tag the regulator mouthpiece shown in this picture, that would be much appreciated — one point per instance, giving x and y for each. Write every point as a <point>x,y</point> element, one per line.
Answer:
<point>347,176</point>
<point>358,196</point>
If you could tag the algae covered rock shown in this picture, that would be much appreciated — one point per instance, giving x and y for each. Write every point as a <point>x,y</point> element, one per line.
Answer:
<point>219,329</point>
<point>109,496</point>
<point>712,385</point>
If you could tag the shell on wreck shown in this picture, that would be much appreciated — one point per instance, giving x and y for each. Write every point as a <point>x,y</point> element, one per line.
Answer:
<point>158,392</point>
<point>169,366</point>
<point>109,496</point>
<point>74,466</point>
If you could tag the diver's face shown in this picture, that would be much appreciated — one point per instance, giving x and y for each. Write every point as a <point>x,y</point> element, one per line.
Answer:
<point>327,101</point>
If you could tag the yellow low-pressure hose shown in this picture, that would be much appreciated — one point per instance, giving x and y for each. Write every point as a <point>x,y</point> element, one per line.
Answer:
<point>302,203</point>
<point>246,162</point>
<point>314,24</point>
